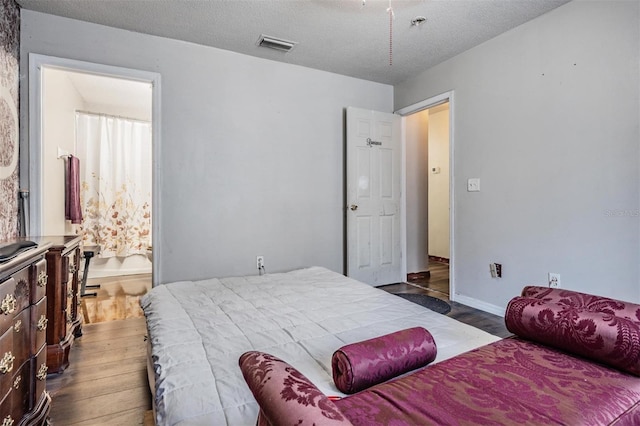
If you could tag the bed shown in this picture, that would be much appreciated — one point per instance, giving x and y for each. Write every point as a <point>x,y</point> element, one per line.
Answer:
<point>199,329</point>
<point>574,359</point>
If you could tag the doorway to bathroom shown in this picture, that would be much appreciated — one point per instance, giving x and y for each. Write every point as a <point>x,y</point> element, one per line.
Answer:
<point>106,119</point>
<point>103,123</point>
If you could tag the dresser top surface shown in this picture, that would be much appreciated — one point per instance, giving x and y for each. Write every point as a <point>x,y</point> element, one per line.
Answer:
<point>23,258</point>
<point>58,240</point>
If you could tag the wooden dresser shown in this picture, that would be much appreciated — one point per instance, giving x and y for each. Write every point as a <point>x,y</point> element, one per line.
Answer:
<point>23,349</point>
<point>63,299</point>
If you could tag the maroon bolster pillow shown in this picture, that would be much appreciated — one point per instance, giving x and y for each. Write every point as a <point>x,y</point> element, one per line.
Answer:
<point>360,365</point>
<point>597,335</point>
<point>584,301</point>
<point>286,396</point>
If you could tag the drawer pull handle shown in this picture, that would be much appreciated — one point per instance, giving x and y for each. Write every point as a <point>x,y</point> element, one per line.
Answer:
<point>70,294</point>
<point>17,326</point>
<point>16,382</point>
<point>8,305</point>
<point>42,323</point>
<point>72,268</point>
<point>6,364</point>
<point>7,421</point>
<point>42,372</point>
<point>42,279</point>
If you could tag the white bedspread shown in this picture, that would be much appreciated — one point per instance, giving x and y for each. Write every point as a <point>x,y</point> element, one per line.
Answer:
<point>198,330</point>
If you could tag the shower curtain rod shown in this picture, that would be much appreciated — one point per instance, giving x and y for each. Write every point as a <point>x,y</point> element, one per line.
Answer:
<point>112,116</point>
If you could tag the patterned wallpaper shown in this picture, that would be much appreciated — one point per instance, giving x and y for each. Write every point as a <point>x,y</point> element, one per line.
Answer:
<point>9,75</point>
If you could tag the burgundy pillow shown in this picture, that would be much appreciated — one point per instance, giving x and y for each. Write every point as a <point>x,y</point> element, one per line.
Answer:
<point>360,365</point>
<point>584,301</point>
<point>598,335</point>
<point>286,396</point>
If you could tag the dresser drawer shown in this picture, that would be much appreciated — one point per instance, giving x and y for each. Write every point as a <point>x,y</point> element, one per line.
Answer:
<point>14,297</point>
<point>22,292</point>
<point>20,395</point>
<point>18,400</point>
<point>69,311</point>
<point>6,361</point>
<point>8,304</point>
<point>6,410</point>
<point>70,299</point>
<point>74,263</point>
<point>21,337</point>
<point>38,281</point>
<point>39,324</point>
<point>39,367</point>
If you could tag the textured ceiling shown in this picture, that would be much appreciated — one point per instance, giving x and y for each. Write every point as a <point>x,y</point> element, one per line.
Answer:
<point>340,36</point>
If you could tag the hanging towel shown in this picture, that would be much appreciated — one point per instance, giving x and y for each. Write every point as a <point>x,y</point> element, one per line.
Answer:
<point>72,209</point>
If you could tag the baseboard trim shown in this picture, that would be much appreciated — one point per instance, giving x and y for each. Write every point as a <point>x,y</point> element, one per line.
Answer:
<point>414,276</point>
<point>105,273</point>
<point>479,304</point>
<point>438,259</point>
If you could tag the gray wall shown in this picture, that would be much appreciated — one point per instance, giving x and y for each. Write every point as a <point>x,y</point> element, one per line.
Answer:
<point>417,191</point>
<point>547,116</point>
<point>439,212</point>
<point>252,150</point>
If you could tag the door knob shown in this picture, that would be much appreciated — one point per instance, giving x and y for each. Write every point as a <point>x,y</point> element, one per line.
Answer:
<point>353,207</point>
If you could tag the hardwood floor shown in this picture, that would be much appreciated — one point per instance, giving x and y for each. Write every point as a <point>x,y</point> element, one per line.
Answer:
<point>436,284</point>
<point>117,298</point>
<point>106,381</point>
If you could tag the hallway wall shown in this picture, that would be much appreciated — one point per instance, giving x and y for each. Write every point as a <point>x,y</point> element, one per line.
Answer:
<point>417,169</point>
<point>439,213</point>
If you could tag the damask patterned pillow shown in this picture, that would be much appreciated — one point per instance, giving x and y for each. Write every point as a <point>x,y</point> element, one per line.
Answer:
<point>585,301</point>
<point>579,324</point>
<point>360,365</point>
<point>286,396</point>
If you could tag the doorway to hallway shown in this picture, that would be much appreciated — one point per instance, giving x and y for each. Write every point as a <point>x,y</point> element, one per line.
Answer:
<point>428,196</point>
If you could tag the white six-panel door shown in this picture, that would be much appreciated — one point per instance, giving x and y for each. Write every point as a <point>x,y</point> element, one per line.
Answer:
<point>373,196</point>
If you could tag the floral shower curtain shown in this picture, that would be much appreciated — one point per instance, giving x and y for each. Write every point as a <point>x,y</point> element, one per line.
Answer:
<point>115,181</point>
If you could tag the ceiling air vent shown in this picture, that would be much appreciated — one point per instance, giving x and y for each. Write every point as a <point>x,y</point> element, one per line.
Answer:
<point>276,43</point>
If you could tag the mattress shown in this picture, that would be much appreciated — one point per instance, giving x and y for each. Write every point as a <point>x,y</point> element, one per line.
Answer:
<point>199,329</point>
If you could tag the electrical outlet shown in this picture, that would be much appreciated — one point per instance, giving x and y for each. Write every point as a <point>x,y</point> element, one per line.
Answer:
<point>260,262</point>
<point>496,270</point>
<point>554,280</point>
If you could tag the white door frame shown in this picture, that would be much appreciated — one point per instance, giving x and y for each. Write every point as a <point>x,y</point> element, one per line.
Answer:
<point>36,64</point>
<point>408,110</point>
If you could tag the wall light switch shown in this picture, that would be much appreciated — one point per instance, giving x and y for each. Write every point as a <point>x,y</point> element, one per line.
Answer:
<point>473,185</point>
